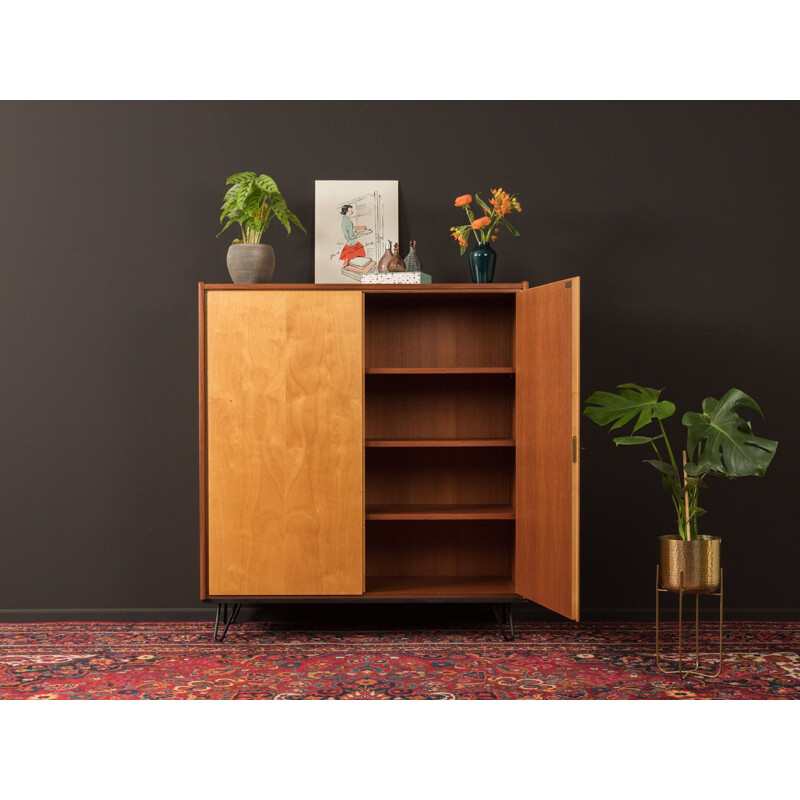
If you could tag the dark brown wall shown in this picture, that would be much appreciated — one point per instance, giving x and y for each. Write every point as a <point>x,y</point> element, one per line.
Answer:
<point>681,218</point>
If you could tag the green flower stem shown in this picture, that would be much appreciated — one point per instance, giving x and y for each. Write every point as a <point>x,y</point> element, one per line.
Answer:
<point>675,493</point>
<point>669,449</point>
<point>471,218</point>
<point>679,507</point>
<point>658,454</point>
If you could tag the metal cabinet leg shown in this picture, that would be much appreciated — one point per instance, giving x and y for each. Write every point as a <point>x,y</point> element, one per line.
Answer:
<point>507,618</point>
<point>222,615</point>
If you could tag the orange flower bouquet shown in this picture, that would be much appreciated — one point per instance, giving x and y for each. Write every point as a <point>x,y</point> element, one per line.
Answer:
<point>486,228</point>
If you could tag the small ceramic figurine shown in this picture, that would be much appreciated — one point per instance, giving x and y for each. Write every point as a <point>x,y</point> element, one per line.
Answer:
<point>396,264</point>
<point>385,258</point>
<point>413,264</point>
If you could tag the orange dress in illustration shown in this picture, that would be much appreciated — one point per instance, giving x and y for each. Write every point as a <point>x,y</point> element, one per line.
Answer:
<point>353,248</point>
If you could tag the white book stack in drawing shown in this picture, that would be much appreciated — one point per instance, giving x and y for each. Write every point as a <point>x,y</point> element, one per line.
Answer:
<point>359,268</point>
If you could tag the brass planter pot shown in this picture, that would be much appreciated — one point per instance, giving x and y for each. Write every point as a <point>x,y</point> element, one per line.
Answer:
<point>697,559</point>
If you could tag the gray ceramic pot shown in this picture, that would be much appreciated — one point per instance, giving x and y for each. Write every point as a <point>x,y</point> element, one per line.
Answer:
<point>251,263</point>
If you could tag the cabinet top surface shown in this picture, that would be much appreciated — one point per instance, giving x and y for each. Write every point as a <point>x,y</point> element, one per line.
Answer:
<point>378,288</point>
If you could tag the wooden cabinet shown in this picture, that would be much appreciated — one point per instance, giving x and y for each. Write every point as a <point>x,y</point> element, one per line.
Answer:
<point>390,442</point>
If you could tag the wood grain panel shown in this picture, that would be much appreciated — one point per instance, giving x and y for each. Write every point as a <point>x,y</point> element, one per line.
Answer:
<point>439,443</point>
<point>438,511</point>
<point>439,476</point>
<point>440,587</point>
<point>203,471</point>
<point>439,406</point>
<point>439,370</point>
<point>324,459</point>
<point>439,330</point>
<point>285,443</point>
<point>547,414</point>
<point>463,549</point>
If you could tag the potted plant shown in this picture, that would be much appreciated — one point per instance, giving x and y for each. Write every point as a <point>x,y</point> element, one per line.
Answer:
<point>252,202</point>
<point>485,229</point>
<point>719,442</point>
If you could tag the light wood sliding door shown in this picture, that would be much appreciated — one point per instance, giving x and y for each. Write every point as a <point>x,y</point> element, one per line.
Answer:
<point>285,457</point>
<point>547,445</point>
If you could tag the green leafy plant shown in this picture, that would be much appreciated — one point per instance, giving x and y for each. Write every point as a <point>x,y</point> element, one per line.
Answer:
<point>252,202</point>
<point>719,442</point>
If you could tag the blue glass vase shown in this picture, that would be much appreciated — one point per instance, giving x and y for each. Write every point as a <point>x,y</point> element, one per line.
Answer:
<point>481,263</point>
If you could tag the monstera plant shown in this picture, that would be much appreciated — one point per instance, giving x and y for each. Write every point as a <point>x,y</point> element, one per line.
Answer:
<point>719,443</point>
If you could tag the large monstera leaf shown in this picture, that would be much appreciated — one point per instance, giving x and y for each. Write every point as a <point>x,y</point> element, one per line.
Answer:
<point>617,409</point>
<point>722,442</point>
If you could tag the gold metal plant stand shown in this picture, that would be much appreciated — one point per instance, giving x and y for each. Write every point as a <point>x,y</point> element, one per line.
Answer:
<point>681,672</point>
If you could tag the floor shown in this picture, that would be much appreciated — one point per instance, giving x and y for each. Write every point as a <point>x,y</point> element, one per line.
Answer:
<point>263,660</point>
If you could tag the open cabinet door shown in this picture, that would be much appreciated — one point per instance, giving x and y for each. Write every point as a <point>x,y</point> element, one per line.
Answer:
<point>285,443</point>
<point>547,445</point>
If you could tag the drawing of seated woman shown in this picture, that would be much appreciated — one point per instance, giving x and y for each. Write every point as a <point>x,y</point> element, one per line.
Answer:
<point>353,248</point>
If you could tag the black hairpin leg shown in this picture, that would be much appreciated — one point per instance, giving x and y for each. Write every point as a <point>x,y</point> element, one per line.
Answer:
<point>222,612</point>
<point>506,618</point>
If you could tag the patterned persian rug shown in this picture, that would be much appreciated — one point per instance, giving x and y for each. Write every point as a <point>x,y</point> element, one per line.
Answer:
<point>177,660</point>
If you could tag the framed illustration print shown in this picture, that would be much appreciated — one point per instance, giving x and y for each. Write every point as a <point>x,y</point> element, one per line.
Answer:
<point>355,222</point>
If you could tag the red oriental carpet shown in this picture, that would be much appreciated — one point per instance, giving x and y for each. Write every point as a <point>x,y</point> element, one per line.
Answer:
<point>178,660</point>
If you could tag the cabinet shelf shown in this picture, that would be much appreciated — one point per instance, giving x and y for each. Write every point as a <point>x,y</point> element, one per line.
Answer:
<point>439,370</point>
<point>439,443</point>
<point>438,512</point>
<point>440,586</point>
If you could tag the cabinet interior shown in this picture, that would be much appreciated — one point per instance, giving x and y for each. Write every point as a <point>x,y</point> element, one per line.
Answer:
<point>439,330</point>
<point>439,406</point>
<point>452,548</point>
<point>443,475</point>
<point>440,455</point>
